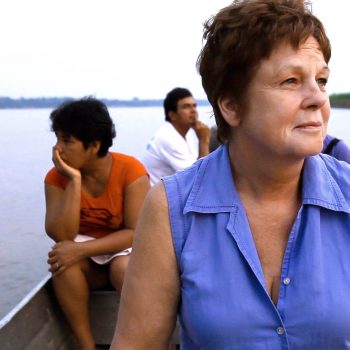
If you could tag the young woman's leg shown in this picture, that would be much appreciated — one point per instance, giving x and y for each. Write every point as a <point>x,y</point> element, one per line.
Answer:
<point>72,291</point>
<point>117,270</point>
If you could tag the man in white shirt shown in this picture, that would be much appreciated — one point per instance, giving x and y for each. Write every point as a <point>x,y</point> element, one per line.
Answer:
<point>180,141</point>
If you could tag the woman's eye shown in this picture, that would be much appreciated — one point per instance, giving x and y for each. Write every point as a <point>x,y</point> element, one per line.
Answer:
<point>322,81</point>
<point>290,81</point>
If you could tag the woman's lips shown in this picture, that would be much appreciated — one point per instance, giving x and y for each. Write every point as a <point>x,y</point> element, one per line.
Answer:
<point>310,125</point>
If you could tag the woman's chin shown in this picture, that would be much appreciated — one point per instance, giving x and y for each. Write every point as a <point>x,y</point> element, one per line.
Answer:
<point>312,151</point>
<point>312,147</point>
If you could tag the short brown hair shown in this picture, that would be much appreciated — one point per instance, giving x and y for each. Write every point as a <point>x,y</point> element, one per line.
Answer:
<point>241,35</point>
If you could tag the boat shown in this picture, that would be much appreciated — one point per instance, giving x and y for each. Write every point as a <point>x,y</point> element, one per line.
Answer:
<point>37,322</point>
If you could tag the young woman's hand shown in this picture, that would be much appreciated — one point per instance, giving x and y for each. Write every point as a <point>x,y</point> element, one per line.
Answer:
<point>63,255</point>
<point>62,167</point>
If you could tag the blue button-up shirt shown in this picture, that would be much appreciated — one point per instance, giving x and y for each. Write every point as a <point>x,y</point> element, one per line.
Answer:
<point>340,150</point>
<point>224,300</point>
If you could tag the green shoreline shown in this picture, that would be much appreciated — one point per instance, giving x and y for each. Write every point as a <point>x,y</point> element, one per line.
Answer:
<point>340,100</point>
<point>336,100</point>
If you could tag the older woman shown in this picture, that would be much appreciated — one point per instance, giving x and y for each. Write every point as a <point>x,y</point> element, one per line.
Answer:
<point>250,246</point>
<point>93,199</point>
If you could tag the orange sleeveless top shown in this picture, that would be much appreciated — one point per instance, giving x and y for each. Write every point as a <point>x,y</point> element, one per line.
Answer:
<point>102,215</point>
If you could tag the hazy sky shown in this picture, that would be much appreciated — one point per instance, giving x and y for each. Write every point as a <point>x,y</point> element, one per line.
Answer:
<point>125,49</point>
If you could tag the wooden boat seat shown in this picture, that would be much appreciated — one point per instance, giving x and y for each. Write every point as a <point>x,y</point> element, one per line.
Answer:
<point>104,305</point>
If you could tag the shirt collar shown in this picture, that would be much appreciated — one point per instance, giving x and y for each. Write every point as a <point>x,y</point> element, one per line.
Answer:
<point>214,190</point>
<point>324,182</point>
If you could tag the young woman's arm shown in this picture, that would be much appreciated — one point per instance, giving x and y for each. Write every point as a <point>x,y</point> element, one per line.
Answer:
<point>63,206</point>
<point>150,293</point>
<point>134,197</point>
<point>68,252</point>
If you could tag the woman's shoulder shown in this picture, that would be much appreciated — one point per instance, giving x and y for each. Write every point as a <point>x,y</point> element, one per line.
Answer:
<point>207,166</point>
<point>53,177</point>
<point>337,174</point>
<point>127,168</point>
<point>126,159</point>
<point>335,166</point>
<point>123,157</point>
<point>200,177</point>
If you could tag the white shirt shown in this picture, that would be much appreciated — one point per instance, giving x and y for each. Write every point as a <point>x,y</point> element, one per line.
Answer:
<point>168,152</point>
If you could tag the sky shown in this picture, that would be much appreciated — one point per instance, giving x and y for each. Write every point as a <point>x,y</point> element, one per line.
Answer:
<point>125,49</point>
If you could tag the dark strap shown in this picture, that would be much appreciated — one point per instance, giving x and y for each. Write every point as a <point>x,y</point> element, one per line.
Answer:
<point>330,146</point>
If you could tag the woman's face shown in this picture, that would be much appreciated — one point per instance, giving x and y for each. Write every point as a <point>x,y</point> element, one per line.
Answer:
<point>287,107</point>
<point>72,150</point>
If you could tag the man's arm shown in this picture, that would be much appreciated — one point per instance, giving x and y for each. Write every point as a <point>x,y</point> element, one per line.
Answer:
<point>175,151</point>
<point>203,133</point>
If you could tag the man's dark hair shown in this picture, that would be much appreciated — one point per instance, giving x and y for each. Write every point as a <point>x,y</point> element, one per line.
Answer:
<point>86,119</point>
<point>172,98</point>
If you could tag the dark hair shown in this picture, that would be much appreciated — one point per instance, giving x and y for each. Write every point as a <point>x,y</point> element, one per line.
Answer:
<point>241,35</point>
<point>214,142</point>
<point>86,119</point>
<point>172,98</point>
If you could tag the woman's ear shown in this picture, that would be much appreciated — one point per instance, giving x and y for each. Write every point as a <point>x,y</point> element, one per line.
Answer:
<point>229,111</point>
<point>95,146</point>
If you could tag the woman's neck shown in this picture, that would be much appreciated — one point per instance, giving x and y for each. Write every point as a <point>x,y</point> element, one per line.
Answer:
<point>98,169</point>
<point>265,178</point>
<point>95,176</point>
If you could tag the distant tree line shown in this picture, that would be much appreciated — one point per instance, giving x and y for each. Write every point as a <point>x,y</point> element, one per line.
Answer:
<point>52,102</point>
<point>340,100</point>
<point>337,100</point>
<point>344,96</point>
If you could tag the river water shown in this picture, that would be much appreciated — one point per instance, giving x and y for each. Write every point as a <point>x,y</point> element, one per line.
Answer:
<point>25,157</point>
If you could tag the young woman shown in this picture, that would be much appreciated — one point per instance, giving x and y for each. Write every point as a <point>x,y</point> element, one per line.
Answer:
<point>93,200</point>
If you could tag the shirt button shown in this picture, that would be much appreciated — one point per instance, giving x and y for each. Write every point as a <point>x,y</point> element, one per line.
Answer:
<point>286,281</point>
<point>280,330</point>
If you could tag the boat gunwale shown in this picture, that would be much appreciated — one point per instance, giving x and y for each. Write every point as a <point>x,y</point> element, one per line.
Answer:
<point>24,301</point>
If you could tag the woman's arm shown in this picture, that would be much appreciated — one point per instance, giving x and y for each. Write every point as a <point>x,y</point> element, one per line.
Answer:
<point>67,252</point>
<point>63,206</point>
<point>150,294</point>
<point>134,197</point>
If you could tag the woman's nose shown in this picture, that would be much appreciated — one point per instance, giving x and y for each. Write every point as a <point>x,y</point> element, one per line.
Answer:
<point>58,145</point>
<point>314,97</point>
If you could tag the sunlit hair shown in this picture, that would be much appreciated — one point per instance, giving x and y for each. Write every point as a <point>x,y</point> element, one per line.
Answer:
<point>172,98</point>
<point>244,33</point>
<point>86,119</point>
